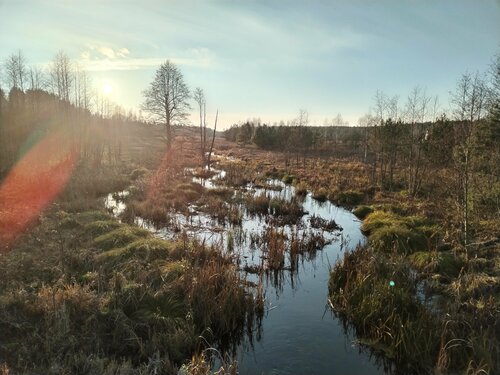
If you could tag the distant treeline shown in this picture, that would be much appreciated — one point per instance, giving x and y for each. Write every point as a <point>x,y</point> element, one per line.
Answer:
<point>295,137</point>
<point>411,148</point>
<point>26,117</point>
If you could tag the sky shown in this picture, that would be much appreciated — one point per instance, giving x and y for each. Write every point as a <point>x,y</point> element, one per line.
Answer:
<point>263,59</point>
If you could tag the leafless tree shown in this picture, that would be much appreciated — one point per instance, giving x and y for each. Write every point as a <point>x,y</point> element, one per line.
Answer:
<point>213,141</point>
<point>36,78</point>
<point>15,71</point>
<point>416,114</point>
<point>167,97</point>
<point>61,76</point>
<point>82,92</point>
<point>199,97</point>
<point>469,99</point>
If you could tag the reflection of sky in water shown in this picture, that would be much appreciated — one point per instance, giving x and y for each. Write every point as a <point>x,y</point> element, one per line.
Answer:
<point>300,335</point>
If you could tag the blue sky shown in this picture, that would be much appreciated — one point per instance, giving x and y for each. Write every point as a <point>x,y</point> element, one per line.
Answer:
<point>264,59</point>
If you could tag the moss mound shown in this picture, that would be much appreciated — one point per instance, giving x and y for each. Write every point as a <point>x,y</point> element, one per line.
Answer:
<point>362,212</point>
<point>100,227</point>
<point>120,237</point>
<point>389,231</point>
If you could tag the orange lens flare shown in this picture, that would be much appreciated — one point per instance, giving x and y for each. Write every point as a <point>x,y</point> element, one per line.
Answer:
<point>33,183</point>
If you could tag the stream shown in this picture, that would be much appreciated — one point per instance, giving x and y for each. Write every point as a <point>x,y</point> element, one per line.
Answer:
<point>300,334</point>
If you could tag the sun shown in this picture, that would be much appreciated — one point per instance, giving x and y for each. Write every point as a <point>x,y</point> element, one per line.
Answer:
<point>107,88</point>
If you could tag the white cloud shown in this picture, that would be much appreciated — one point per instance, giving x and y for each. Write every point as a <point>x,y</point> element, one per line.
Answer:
<point>119,60</point>
<point>107,52</point>
<point>98,52</point>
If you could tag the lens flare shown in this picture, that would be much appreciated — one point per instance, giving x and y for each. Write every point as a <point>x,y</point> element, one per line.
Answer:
<point>33,183</point>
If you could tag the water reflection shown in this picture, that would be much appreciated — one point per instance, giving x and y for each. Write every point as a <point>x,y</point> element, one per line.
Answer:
<point>295,335</point>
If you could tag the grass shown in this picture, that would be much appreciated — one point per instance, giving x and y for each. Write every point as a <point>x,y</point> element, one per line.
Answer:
<point>100,227</point>
<point>120,237</point>
<point>388,319</point>
<point>348,198</point>
<point>320,195</point>
<point>137,299</point>
<point>258,205</point>
<point>320,223</point>
<point>389,231</point>
<point>361,212</point>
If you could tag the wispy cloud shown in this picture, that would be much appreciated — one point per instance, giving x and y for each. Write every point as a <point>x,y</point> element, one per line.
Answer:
<point>103,58</point>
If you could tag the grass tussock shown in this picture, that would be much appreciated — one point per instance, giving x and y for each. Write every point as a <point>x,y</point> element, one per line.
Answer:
<point>139,301</point>
<point>389,231</point>
<point>361,212</point>
<point>120,237</point>
<point>348,198</point>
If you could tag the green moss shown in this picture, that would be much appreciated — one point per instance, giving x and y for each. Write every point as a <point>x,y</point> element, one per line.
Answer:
<point>120,237</point>
<point>288,178</point>
<point>69,223</point>
<point>100,227</point>
<point>146,249</point>
<point>378,219</point>
<point>89,216</point>
<point>422,260</point>
<point>389,231</point>
<point>449,265</point>
<point>362,211</point>
<point>398,238</point>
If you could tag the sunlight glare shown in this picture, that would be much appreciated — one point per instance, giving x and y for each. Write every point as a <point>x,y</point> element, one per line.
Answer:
<point>107,89</point>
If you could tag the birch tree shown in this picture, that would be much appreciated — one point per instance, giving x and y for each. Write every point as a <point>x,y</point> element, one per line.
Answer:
<point>166,99</point>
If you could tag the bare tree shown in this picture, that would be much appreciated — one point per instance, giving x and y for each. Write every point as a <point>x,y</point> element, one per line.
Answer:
<point>167,97</point>
<point>469,100</point>
<point>213,140</point>
<point>15,71</point>
<point>61,76</point>
<point>199,97</point>
<point>36,78</point>
<point>81,89</point>
<point>416,114</point>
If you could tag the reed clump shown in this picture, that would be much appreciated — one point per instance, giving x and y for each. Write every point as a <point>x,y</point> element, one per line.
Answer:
<point>377,296</point>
